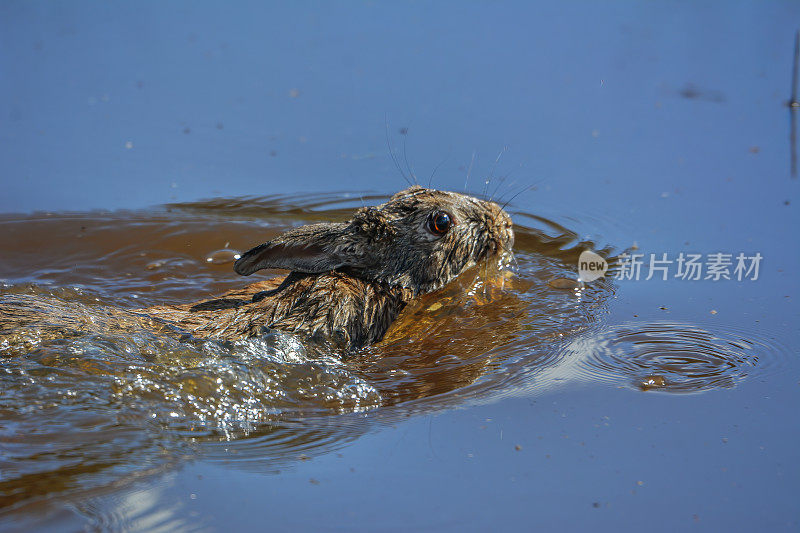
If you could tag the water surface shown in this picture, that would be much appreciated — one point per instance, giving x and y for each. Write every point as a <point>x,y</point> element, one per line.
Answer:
<point>92,401</point>
<point>499,404</point>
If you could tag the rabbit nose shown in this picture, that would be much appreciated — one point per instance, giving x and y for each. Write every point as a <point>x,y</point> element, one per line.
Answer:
<point>509,235</point>
<point>505,239</point>
<point>504,225</point>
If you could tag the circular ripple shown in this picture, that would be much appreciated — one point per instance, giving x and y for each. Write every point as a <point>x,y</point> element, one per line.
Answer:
<point>86,382</point>
<point>671,357</point>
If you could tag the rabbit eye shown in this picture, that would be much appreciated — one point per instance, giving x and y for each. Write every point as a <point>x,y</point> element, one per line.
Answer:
<point>439,222</point>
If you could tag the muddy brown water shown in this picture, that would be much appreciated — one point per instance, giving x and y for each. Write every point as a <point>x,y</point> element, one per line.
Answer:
<point>104,406</point>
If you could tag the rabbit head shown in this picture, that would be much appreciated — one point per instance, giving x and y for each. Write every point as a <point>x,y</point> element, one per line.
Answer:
<point>419,240</point>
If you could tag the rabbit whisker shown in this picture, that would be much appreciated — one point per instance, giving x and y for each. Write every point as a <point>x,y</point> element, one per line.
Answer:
<point>513,258</point>
<point>430,180</point>
<point>405,157</point>
<point>502,181</point>
<point>491,172</point>
<point>485,274</point>
<point>391,152</point>
<point>526,188</point>
<point>532,186</point>
<point>469,170</point>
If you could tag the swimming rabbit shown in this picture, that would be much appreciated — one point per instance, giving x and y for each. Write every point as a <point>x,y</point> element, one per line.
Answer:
<point>350,280</point>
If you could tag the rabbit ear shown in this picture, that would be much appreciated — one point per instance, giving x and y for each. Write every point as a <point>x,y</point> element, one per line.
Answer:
<point>309,249</point>
<point>309,259</point>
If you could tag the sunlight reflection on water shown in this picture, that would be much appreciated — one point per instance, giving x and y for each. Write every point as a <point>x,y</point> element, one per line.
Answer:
<point>84,410</point>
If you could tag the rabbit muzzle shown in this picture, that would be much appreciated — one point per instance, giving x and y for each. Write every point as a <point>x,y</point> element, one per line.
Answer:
<point>499,238</point>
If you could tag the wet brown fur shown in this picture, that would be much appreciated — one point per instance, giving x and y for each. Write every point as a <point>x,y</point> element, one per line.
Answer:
<point>348,280</point>
<point>333,306</point>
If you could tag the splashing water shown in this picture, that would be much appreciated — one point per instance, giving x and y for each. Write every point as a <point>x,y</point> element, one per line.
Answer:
<point>107,404</point>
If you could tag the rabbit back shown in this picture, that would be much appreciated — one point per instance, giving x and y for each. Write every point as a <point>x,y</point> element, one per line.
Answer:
<point>334,306</point>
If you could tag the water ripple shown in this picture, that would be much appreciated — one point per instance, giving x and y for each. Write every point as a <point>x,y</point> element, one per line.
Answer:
<point>672,357</point>
<point>93,396</point>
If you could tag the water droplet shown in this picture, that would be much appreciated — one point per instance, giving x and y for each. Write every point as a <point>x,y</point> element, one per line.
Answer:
<point>224,256</point>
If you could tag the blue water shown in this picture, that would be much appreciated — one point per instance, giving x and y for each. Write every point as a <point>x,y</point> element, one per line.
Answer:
<point>660,125</point>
